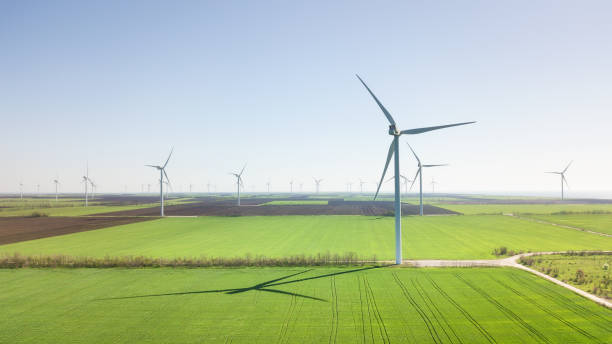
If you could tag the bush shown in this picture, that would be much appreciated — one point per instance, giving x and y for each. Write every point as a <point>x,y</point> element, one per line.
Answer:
<point>38,214</point>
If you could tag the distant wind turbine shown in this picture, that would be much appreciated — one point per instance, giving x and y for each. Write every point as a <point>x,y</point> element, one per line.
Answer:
<point>56,182</point>
<point>268,185</point>
<point>563,180</point>
<point>317,183</point>
<point>394,149</point>
<point>21,190</point>
<point>433,186</point>
<point>420,175</point>
<point>291,186</point>
<point>86,181</point>
<point>162,173</point>
<point>361,184</point>
<point>239,182</point>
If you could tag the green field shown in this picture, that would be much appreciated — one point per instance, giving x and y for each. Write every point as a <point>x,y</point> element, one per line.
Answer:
<point>524,209</point>
<point>297,202</point>
<point>436,237</point>
<point>295,305</point>
<point>590,273</point>
<point>594,222</point>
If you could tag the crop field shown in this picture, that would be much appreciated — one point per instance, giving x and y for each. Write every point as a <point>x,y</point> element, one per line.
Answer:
<point>298,305</point>
<point>525,209</point>
<point>590,273</point>
<point>435,237</point>
<point>594,222</point>
<point>297,202</point>
<point>72,207</point>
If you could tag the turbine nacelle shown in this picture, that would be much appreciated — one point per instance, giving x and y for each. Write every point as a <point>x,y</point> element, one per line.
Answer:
<point>393,130</point>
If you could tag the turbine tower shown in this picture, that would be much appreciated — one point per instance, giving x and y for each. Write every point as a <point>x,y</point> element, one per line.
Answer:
<point>291,186</point>
<point>317,183</point>
<point>162,173</point>
<point>563,180</point>
<point>433,186</point>
<point>20,190</point>
<point>420,175</point>
<point>93,189</point>
<point>239,182</point>
<point>394,149</point>
<point>268,185</point>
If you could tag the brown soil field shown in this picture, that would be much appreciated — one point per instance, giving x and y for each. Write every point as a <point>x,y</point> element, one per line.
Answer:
<point>255,207</point>
<point>14,229</point>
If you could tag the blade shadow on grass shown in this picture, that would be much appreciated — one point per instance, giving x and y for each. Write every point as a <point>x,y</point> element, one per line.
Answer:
<point>264,286</point>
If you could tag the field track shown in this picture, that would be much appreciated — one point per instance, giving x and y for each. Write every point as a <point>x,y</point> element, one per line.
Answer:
<point>15,229</point>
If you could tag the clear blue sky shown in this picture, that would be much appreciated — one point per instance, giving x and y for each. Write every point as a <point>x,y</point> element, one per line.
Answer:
<point>117,83</point>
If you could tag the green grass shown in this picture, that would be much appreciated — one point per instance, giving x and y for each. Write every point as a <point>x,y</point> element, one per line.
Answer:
<point>480,209</point>
<point>590,273</point>
<point>293,305</point>
<point>298,202</point>
<point>594,222</point>
<point>436,237</point>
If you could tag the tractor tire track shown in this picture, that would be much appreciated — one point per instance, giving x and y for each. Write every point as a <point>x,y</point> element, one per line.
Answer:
<point>363,324</point>
<point>334,310</point>
<point>430,326</point>
<point>534,333</point>
<point>434,309</point>
<point>285,327</point>
<point>384,335</point>
<point>546,310</point>
<point>464,312</point>
<point>563,301</point>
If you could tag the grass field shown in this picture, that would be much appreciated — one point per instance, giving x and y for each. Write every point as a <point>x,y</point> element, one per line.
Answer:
<point>594,222</point>
<point>590,273</point>
<point>293,305</point>
<point>297,202</point>
<point>525,209</point>
<point>436,237</point>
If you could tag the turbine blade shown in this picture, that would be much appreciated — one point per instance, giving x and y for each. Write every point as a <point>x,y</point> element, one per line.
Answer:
<point>415,155</point>
<point>565,180</point>
<point>168,179</point>
<point>389,155</point>
<point>553,172</point>
<point>415,178</point>
<point>386,181</point>
<point>171,150</point>
<point>387,114</point>
<point>568,165</point>
<point>426,129</point>
<point>242,169</point>
<point>435,165</point>
<point>154,166</point>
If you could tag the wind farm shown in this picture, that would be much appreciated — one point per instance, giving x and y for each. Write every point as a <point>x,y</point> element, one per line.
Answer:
<point>324,236</point>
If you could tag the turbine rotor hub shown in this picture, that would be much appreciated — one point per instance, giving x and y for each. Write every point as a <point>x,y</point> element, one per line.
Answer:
<point>393,130</point>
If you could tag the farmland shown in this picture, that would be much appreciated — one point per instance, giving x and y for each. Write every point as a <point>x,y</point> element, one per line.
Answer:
<point>594,222</point>
<point>437,237</point>
<point>295,305</point>
<point>524,208</point>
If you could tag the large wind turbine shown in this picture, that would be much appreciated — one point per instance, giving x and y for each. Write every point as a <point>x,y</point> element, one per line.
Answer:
<point>394,149</point>
<point>162,173</point>
<point>420,175</point>
<point>317,183</point>
<point>239,182</point>
<point>563,180</point>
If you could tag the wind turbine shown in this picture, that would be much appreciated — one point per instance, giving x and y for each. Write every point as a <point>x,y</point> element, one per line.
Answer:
<point>563,180</point>
<point>93,189</point>
<point>20,190</point>
<point>433,186</point>
<point>301,186</point>
<point>208,187</point>
<point>86,180</point>
<point>394,149</point>
<point>291,186</point>
<point>349,187</point>
<point>56,182</point>
<point>162,173</point>
<point>361,184</point>
<point>420,175</point>
<point>268,185</point>
<point>317,183</point>
<point>239,182</point>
